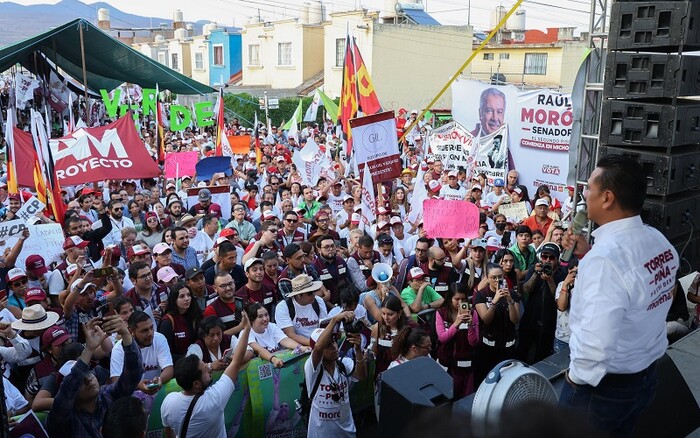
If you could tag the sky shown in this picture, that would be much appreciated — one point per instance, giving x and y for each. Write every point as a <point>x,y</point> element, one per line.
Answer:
<point>540,14</point>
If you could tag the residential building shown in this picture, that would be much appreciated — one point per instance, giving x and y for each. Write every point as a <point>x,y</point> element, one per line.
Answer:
<point>532,58</point>
<point>224,55</point>
<point>282,54</point>
<point>408,62</point>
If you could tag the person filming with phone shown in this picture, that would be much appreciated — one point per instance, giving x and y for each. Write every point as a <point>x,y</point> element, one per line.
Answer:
<point>536,340</point>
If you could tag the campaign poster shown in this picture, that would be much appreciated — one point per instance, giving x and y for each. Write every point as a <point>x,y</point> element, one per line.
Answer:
<point>451,144</point>
<point>490,154</point>
<point>374,144</point>
<point>537,125</point>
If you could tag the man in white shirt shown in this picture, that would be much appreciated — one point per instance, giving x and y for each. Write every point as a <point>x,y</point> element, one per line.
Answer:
<point>624,289</point>
<point>194,377</point>
<point>307,308</point>
<point>496,195</point>
<point>328,381</point>
<point>203,240</point>
<point>453,190</point>
<point>116,216</point>
<point>157,360</point>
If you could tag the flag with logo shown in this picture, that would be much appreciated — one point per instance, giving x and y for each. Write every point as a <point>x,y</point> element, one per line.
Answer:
<point>45,179</point>
<point>222,145</point>
<point>369,202</point>
<point>348,95</point>
<point>24,89</point>
<point>160,128</point>
<point>368,103</point>
<point>312,110</point>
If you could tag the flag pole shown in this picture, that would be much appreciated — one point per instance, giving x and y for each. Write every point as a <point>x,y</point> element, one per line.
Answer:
<point>85,86</point>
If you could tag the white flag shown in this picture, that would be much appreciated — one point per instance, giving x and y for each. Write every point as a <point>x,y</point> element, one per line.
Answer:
<point>369,203</point>
<point>420,194</point>
<point>24,89</point>
<point>312,110</point>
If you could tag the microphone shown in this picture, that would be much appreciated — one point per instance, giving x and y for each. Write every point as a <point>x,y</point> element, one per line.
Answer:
<point>579,222</point>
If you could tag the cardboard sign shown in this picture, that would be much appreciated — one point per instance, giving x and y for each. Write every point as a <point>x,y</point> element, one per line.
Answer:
<point>11,228</point>
<point>450,219</point>
<point>30,208</point>
<point>45,240</point>
<point>517,211</point>
<point>219,195</point>
<point>178,164</point>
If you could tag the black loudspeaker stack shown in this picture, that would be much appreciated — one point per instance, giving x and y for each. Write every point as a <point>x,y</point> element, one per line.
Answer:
<point>651,112</point>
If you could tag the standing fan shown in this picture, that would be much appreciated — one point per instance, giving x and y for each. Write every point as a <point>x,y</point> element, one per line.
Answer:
<point>509,384</point>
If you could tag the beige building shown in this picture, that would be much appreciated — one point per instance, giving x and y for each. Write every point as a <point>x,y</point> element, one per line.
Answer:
<point>535,59</point>
<point>281,54</point>
<point>180,58</point>
<point>409,63</point>
<point>199,59</point>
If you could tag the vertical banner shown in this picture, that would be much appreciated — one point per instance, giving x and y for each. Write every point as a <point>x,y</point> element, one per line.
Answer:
<point>451,144</point>
<point>537,125</point>
<point>490,155</point>
<point>375,145</point>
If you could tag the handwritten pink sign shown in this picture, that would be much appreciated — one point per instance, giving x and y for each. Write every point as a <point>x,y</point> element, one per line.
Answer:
<point>186,162</point>
<point>450,219</point>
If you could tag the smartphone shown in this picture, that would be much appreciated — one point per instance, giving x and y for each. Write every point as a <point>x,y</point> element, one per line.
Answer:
<point>106,310</point>
<point>163,297</point>
<point>103,272</point>
<point>3,294</point>
<point>227,354</point>
<point>502,284</point>
<point>464,307</point>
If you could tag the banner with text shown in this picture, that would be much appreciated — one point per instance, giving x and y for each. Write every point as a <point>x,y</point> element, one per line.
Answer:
<point>451,144</point>
<point>178,164</point>
<point>538,125</point>
<point>45,240</point>
<point>374,144</point>
<point>490,154</point>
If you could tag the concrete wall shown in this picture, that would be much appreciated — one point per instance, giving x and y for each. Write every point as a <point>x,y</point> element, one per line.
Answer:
<point>231,46</point>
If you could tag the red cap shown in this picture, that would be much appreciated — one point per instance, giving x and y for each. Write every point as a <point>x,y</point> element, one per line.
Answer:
<point>74,242</point>
<point>36,265</point>
<point>55,335</point>
<point>34,295</point>
<point>228,232</point>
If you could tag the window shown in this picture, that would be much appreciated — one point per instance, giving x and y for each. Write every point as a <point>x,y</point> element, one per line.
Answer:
<point>535,64</point>
<point>488,56</point>
<point>284,54</point>
<point>504,56</point>
<point>254,54</point>
<point>339,51</point>
<point>175,64</point>
<point>219,55</point>
<point>198,61</point>
<point>161,58</point>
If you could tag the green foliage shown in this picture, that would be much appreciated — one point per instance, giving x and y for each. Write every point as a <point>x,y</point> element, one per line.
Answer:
<point>245,106</point>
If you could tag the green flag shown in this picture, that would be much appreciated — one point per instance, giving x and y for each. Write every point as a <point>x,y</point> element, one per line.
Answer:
<point>331,107</point>
<point>296,118</point>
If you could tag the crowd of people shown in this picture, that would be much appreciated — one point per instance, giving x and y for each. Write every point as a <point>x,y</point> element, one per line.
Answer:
<point>152,288</point>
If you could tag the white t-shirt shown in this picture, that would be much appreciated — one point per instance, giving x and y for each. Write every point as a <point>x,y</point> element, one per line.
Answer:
<point>197,350</point>
<point>335,202</point>
<point>14,400</point>
<point>156,357</point>
<point>208,415</point>
<point>492,198</point>
<point>329,418</point>
<point>203,244</point>
<point>270,338</point>
<point>305,318</point>
<point>458,194</point>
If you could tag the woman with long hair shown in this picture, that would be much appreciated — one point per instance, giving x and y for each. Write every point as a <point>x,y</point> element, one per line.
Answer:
<point>410,343</point>
<point>456,342</point>
<point>168,235</point>
<point>372,301</point>
<point>295,193</point>
<point>181,320</point>
<point>385,330</point>
<point>399,202</point>
<point>136,214</point>
<point>266,337</point>
<point>152,232</point>
<point>506,260</point>
<point>475,271</point>
<point>498,314</point>
<point>519,194</point>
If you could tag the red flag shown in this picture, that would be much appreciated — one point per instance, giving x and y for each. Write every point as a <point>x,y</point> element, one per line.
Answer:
<point>220,126</point>
<point>368,102</point>
<point>348,94</point>
<point>45,180</point>
<point>160,128</point>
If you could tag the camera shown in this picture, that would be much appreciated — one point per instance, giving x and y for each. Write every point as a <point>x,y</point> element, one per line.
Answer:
<point>355,326</point>
<point>547,269</point>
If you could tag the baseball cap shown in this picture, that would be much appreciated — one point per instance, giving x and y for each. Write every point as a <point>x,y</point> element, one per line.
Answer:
<point>347,198</point>
<point>541,201</point>
<point>476,187</point>
<point>493,243</point>
<point>74,242</point>
<point>415,273</point>
<point>250,262</point>
<point>116,252</point>
<point>15,274</point>
<point>137,250</point>
<point>551,248</point>
<point>85,288</point>
<point>431,160</point>
<point>36,265</point>
<point>193,272</point>
<point>382,224</point>
<point>479,243</point>
<point>434,185</point>
<point>314,337</point>
<point>355,218</point>
<point>498,182</point>
<point>204,195</point>
<point>280,158</point>
<point>166,274</point>
<point>518,190</point>
<point>170,186</point>
<point>452,173</point>
<point>160,248</point>
<point>382,210</point>
<point>55,335</point>
<point>268,215</point>
<point>319,215</point>
<point>34,294</point>
<point>228,232</point>
<point>395,220</point>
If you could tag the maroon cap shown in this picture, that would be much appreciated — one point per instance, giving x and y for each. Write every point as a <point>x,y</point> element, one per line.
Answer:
<point>34,295</point>
<point>73,242</point>
<point>54,335</point>
<point>36,265</point>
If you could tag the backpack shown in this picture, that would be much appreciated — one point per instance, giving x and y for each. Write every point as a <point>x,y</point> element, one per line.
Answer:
<point>305,400</point>
<point>293,311</point>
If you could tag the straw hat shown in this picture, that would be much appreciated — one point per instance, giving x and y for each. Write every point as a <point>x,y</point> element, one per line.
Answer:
<point>302,284</point>
<point>35,318</point>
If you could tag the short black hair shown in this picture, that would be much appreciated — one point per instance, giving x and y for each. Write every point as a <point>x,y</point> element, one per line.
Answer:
<point>290,250</point>
<point>626,178</point>
<point>209,323</point>
<point>225,248</point>
<point>125,418</point>
<point>137,317</point>
<point>365,241</point>
<point>187,371</point>
<point>523,229</point>
<point>135,268</point>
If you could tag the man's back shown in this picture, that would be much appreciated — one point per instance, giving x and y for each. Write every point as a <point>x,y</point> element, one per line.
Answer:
<point>208,415</point>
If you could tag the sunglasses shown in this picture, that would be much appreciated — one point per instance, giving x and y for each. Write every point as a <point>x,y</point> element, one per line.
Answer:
<point>20,282</point>
<point>547,257</point>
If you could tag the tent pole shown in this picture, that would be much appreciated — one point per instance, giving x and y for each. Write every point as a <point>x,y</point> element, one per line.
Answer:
<point>85,87</point>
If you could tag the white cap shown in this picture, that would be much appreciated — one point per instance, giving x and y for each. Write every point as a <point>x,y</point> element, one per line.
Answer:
<point>541,201</point>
